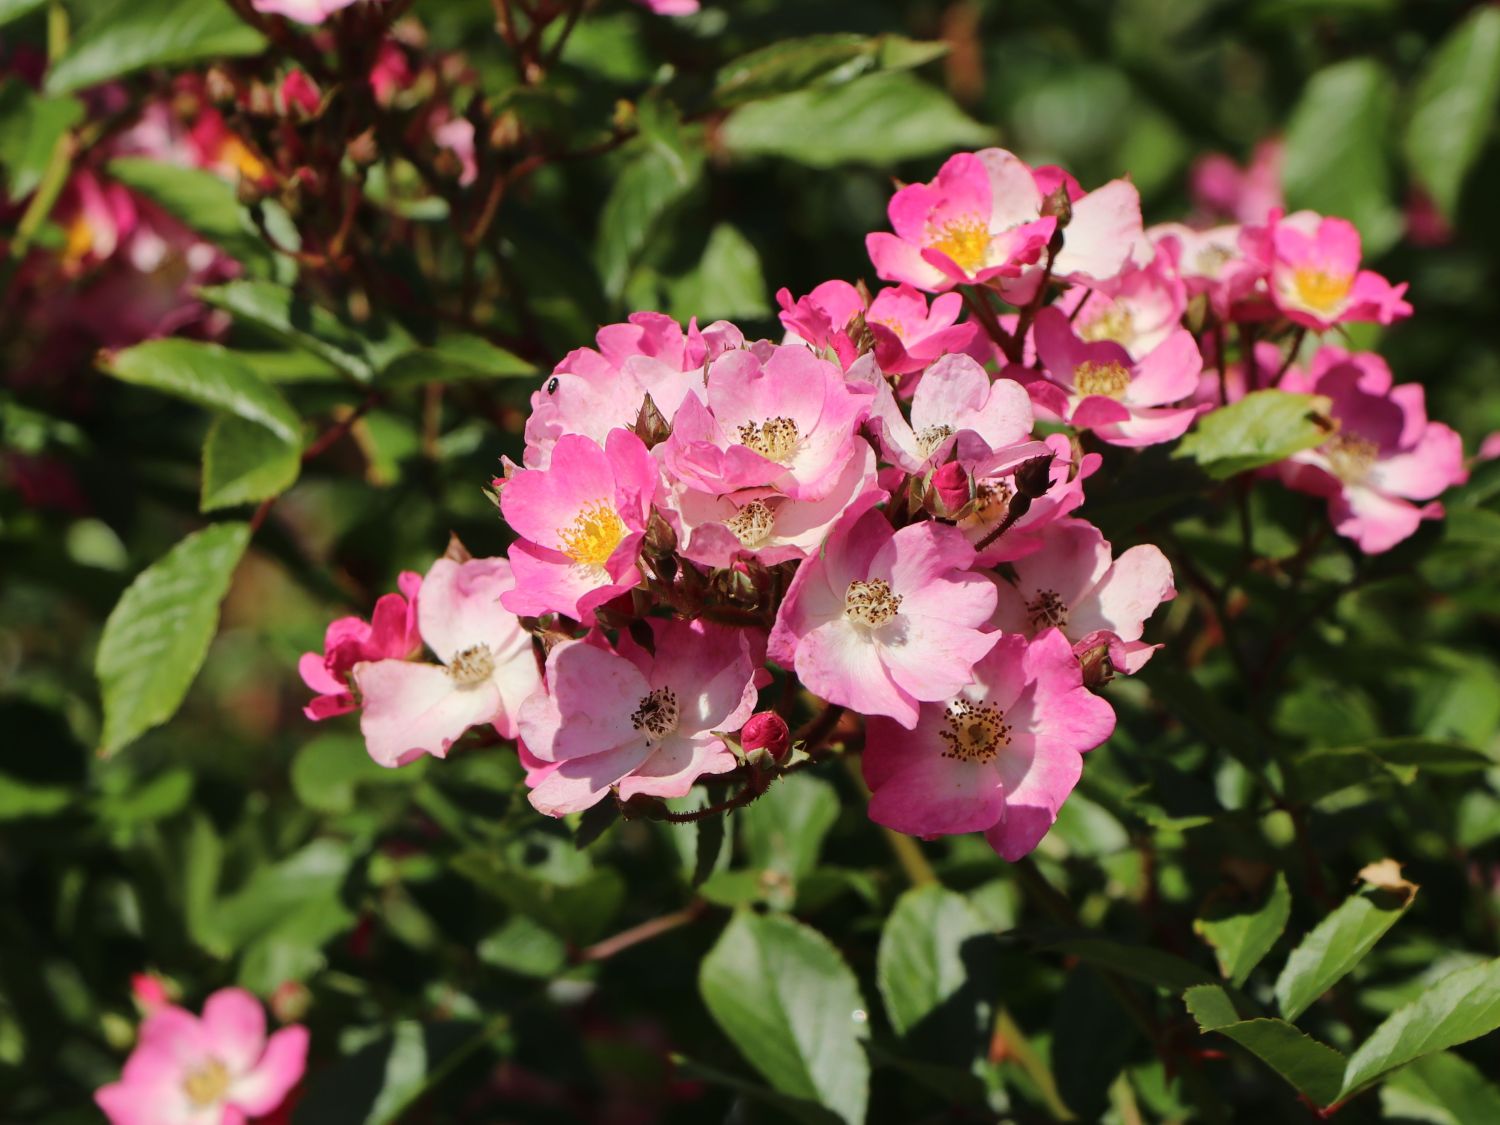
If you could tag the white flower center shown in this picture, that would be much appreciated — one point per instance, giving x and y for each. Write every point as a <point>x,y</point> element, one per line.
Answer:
<point>976,732</point>
<point>871,602</point>
<point>656,715</point>
<point>206,1084</point>
<point>752,524</point>
<point>932,437</point>
<point>1107,379</point>
<point>775,439</point>
<point>472,666</point>
<point>1350,456</point>
<point>1047,610</point>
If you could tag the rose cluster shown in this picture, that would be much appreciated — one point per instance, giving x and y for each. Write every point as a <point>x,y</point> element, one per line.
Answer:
<point>883,513</point>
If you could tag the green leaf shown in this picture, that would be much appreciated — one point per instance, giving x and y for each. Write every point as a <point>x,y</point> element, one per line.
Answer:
<point>878,119</point>
<point>1441,1088</point>
<point>12,10</point>
<point>663,166</point>
<point>199,199</point>
<point>1243,933</point>
<point>727,283</point>
<point>785,997</point>
<point>783,833</point>
<point>1453,107</point>
<point>817,60</point>
<point>1313,1068</point>
<point>30,127</point>
<point>1155,967</point>
<point>157,636</point>
<point>1336,945</point>
<point>709,843</point>
<point>933,970</point>
<point>1260,429</point>
<point>244,462</point>
<point>521,946</point>
<point>1326,770</point>
<point>121,36</point>
<point>456,357</point>
<point>207,375</point>
<point>1460,1007</point>
<point>328,772</point>
<point>359,353</point>
<point>1337,150</point>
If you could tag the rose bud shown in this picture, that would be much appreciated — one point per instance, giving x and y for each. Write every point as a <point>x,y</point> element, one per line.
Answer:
<point>766,730</point>
<point>951,486</point>
<point>300,97</point>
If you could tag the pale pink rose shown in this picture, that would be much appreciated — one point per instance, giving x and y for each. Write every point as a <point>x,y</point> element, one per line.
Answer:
<point>1221,189</point>
<point>217,1069</point>
<point>390,634</point>
<point>1385,464</point>
<point>1137,309</point>
<point>581,522</point>
<point>905,334</point>
<point>1489,448</point>
<point>640,722</point>
<point>995,492</point>
<point>303,11</point>
<point>716,530</point>
<point>1098,386</point>
<point>1103,234</point>
<point>979,219</point>
<point>1072,584</point>
<point>456,134</point>
<point>670,7</point>
<point>1315,277</point>
<point>592,392</point>
<point>997,756</point>
<point>777,418</point>
<point>1225,263</point>
<point>883,619</point>
<point>956,410</point>
<point>411,708</point>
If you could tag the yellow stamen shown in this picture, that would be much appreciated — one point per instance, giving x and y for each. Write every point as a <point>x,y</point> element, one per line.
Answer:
<point>976,732</point>
<point>966,241</point>
<point>776,440</point>
<point>206,1085</point>
<point>1108,379</point>
<point>1350,456</point>
<point>871,603</point>
<point>593,536</point>
<point>1320,290</point>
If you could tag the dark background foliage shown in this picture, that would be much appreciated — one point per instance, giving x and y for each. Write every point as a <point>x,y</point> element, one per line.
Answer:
<point>454,953</point>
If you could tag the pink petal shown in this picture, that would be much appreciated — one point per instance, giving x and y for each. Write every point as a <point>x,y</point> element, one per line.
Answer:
<point>415,709</point>
<point>278,1071</point>
<point>234,1024</point>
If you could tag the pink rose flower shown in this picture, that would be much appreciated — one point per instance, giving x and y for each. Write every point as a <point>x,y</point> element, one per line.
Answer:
<point>1315,277</point>
<point>390,634</point>
<point>883,619</point>
<point>641,722</point>
<point>1221,189</point>
<point>1073,585</point>
<point>1098,386</point>
<point>670,7</point>
<point>592,392</point>
<point>905,333</point>
<point>995,491</point>
<point>1138,309</point>
<point>785,420</point>
<point>1384,459</point>
<point>762,523</point>
<point>303,11</point>
<point>219,1069</point>
<point>997,756</point>
<point>487,668</point>
<point>979,219</point>
<point>581,521</point>
<point>956,408</point>
<point>1223,263</point>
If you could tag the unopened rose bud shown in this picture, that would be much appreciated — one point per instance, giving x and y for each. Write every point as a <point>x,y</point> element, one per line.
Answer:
<point>952,487</point>
<point>766,731</point>
<point>661,540</point>
<point>1058,204</point>
<point>149,992</point>
<point>290,1001</point>
<point>651,426</point>
<point>219,87</point>
<point>300,97</point>
<point>1034,477</point>
<point>363,149</point>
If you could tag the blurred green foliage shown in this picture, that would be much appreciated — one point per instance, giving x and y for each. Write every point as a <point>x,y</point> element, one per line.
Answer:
<point>457,949</point>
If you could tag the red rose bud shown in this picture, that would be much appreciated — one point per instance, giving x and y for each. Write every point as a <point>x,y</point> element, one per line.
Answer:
<point>150,992</point>
<point>299,95</point>
<point>766,731</point>
<point>951,485</point>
